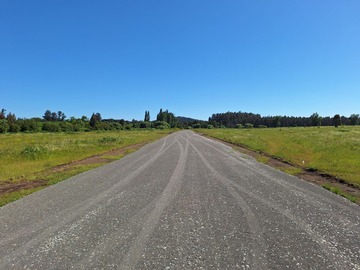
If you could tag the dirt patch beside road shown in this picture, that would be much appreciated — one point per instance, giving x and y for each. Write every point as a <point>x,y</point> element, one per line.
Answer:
<point>10,186</point>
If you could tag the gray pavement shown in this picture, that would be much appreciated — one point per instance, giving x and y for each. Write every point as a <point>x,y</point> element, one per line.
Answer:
<point>183,202</point>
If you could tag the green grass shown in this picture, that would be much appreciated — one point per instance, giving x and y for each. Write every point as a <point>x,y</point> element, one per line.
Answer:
<point>338,191</point>
<point>13,196</point>
<point>34,156</point>
<point>24,156</point>
<point>335,151</point>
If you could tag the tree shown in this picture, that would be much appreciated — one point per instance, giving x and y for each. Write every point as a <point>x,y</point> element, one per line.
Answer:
<point>337,120</point>
<point>2,114</point>
<point>315,119</point>
<point>11,118</point>
<point>160,116</point>
<point>167,117</point>
<point>4,126</point>
<point>147,116</point>
<point>354,119</point>
<point>276,121</point>
<point>61,116</point>
<point>47,115</point>
<point>95,119</point>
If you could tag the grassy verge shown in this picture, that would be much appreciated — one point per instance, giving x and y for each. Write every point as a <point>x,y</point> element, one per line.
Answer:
<point>338,191</point>
<point>329,150</point>
<point>30,162</point>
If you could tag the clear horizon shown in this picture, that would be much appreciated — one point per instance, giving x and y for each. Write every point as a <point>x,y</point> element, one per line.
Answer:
<point>197,58</point>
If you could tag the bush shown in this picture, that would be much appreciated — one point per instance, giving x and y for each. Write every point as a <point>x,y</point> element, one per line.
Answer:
<point>161,125</point>
<point>14,127</point>
<point>248,125</point>
<point>34,152</point>
<point>29,125</point>
<point>4,126</point>
<point>196,125</point>
<point>67,127</point>
<point>51,127</point>
<point>210,126</point>
<point>108,140</point>
<point>239,126</point>
<point>145,124</point>
<point>262,126</point>
<point>116,126</point>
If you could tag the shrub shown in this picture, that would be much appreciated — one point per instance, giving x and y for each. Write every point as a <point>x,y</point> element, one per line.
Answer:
<point>34,152</point>
<point>196,125</point>
<point>161,125</point>
<point>14,127</point>
<point>116,126</point>
<point>29,125</point>
<point>108,140</point>
<point>262,126</point>
<point>145,125</point>
<point>51,127</point>
<point>210,126</point>
<point>67,127</point>
<point>4,126</point>
<point>248,125</point>
<point>239,126</point>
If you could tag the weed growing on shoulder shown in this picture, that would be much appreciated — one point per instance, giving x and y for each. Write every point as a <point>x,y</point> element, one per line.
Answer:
<point>338,191</point>
<point>108,140</point>
<point>34,152</point>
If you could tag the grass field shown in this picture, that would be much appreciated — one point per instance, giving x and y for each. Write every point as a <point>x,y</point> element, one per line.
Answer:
<point>36,157</point>
<point>24,154</point>
<point>330,150</point>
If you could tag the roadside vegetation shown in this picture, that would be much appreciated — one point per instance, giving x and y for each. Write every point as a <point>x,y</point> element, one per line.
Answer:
<point>329,150</point>
<point>41,151</point>
<point>30,161</point>
<point>58,122</point>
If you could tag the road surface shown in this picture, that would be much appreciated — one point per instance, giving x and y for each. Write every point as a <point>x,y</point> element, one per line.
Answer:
<point>183,202</point>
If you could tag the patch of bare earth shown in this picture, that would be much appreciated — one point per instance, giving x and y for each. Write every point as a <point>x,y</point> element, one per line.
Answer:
<point>8,187</point>
<point>11,186</point>
<point>312,176</point>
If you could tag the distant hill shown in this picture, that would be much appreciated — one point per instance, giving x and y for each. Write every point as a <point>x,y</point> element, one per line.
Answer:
<point>182,120</point>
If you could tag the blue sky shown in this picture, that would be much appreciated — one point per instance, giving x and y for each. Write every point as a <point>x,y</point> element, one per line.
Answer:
<point>194,58</point>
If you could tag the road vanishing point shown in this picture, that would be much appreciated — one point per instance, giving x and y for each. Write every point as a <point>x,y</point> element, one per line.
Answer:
<point>183,202</point>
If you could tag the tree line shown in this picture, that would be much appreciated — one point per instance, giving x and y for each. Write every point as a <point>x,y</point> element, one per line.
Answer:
<point>58,122</point>
<point>242,119</point>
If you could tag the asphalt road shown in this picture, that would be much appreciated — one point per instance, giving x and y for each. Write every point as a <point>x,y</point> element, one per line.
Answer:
<point>183,202</point>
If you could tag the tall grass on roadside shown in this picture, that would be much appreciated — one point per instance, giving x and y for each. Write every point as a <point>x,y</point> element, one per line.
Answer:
<point>330,150</point>
<point>24,154</point>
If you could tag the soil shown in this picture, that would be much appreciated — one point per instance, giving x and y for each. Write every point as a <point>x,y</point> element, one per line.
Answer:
<point>312,176</point>
<point>16,185</point>
<point>8,187</point>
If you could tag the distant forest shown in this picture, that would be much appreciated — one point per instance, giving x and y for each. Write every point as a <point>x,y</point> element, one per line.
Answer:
<point>58,122</point>
<point>243,119</point>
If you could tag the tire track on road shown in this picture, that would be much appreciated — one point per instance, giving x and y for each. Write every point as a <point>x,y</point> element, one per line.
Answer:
<point>91,202</point>
<point>132,257</point>
<point>297,191</point>
<point>259,260</point>
<point>330,249</point>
